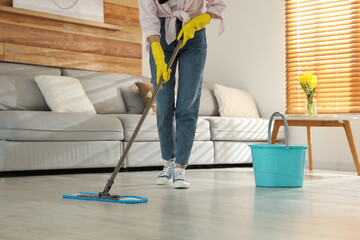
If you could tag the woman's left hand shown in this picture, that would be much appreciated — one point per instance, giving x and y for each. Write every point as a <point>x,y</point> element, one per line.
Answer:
<point>195,24</point>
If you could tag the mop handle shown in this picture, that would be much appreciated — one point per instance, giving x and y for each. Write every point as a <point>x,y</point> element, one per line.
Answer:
<point>132,138</point>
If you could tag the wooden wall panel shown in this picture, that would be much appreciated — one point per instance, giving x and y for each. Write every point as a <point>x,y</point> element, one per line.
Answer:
<point>120,15</point>
<point>6,3</point>
<point>131,34</point>
<point>33,22</point>
<point>45,39</point>
<point>53,57</point>
<point>1,51</point>
<point>68,41</point>
<point>126,3</point>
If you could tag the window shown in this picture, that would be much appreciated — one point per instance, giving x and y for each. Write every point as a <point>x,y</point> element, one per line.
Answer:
<point>323,38</point>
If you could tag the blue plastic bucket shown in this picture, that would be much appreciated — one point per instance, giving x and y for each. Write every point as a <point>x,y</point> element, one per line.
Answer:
<point>278,165</point>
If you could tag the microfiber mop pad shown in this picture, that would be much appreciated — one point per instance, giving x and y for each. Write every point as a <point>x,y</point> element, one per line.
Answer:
<point>114,198</point>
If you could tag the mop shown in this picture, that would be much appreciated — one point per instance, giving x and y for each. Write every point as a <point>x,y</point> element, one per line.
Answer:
<point>105,195</point>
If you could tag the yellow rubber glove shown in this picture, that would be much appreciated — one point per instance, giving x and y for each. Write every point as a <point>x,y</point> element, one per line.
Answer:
<point>195,24</point>
<point>161,66</point>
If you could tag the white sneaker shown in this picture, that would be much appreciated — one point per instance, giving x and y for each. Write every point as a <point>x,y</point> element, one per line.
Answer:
<point>166,174</point>
<point>180,181</point>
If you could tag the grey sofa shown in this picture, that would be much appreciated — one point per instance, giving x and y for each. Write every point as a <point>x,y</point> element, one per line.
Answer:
<point>34,138</point>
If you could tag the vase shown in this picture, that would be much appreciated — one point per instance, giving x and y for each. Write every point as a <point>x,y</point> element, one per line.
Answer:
<point>310,107</point>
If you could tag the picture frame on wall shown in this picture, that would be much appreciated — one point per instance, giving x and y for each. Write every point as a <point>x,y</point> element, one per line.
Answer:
<point>92,10</point>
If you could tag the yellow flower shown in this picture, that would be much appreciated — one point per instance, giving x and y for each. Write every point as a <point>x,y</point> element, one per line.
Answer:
<point>308,83</point>
<point>305,78</point>
<point>313,82</point>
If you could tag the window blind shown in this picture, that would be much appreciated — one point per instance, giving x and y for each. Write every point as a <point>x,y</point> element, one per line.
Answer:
<point>323,38</point>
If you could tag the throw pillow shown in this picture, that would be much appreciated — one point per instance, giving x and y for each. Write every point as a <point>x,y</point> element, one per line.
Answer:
<point>235,102</point>
<point>146,91</point>
<point>64,94</point>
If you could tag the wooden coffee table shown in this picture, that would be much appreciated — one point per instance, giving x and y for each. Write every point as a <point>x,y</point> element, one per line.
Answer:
<point>320,121</point>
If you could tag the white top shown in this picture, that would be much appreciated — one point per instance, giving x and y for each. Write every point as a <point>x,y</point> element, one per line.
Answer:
<point>172,3</point>
<point>151,10</point>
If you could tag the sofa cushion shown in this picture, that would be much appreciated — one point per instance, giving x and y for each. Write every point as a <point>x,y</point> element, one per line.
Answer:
<point>148,131</point>
<point>122,100</point>
<point>235,102</point>
<point>240,129</point>
<point>133,101</point>
<point>18,90</point>
<point>64,94</point>
<point>101,88</point>
<point>20,69</point>
<point>208,103</point>
<point>20,93</point>
<point>52,126</point>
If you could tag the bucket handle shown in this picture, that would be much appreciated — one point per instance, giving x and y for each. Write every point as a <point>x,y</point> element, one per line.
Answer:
<point>285,124</point>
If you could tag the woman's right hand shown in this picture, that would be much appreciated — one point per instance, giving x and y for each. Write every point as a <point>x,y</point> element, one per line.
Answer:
<point>161,66</point>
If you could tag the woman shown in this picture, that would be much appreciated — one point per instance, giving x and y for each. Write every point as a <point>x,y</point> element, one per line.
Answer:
<point>164,22</point>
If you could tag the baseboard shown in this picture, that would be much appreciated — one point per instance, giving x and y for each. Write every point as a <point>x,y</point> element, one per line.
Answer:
<point>109,170</point>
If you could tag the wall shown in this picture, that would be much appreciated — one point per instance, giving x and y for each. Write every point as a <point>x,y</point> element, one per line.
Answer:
<point>47,39</point>
<point>251,55</point>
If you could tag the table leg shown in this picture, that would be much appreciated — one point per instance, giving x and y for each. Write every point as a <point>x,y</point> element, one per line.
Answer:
<point>275,131</point>
<point>352,145</point>
<point>310,147</point>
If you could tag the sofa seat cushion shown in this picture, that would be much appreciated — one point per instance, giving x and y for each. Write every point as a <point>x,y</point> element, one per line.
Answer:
<point>52,126</point>
<point>240,129</point>
<point>148,131</point>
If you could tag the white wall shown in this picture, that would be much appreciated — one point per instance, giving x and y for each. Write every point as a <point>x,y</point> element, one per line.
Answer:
<point>251,55</point>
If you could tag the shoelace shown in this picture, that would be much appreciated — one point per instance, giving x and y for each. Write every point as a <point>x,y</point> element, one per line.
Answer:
<point>179,175</point>
<point>168,169</point>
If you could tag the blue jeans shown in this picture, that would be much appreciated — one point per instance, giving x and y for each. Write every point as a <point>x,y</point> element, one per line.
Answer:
<point>176,126</point>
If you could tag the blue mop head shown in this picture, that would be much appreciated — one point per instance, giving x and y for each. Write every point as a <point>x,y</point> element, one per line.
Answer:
<point>122,199</point>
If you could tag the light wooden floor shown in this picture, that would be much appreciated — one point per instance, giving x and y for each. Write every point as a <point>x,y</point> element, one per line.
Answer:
<point>221,204</point>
